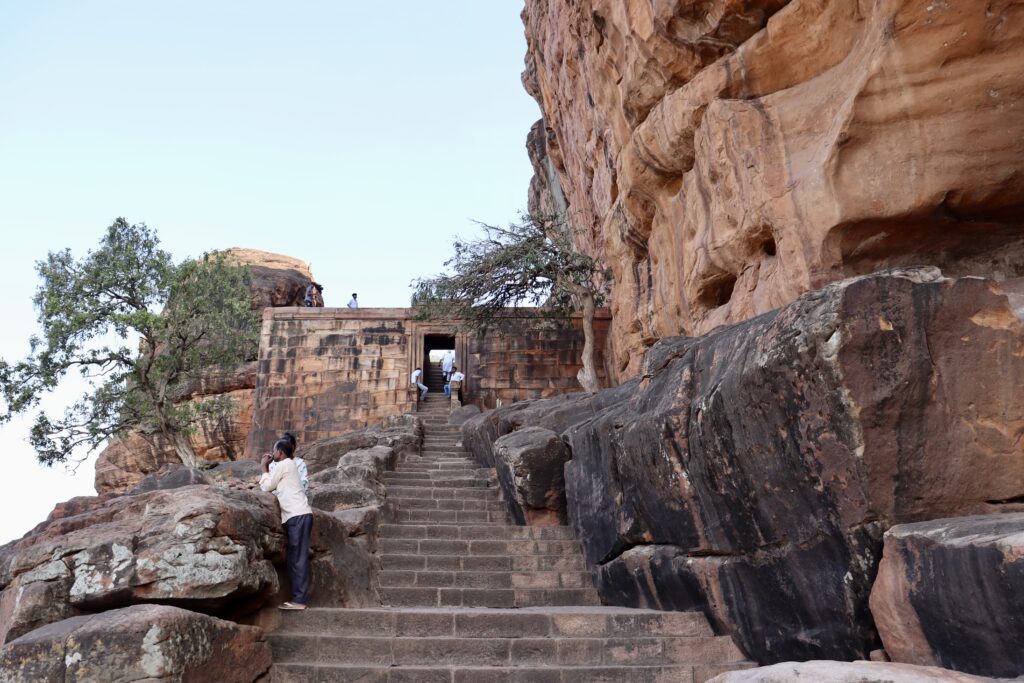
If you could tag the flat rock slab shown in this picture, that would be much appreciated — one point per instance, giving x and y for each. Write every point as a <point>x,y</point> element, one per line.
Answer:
<point>138,643</point>
<point>846,672</point>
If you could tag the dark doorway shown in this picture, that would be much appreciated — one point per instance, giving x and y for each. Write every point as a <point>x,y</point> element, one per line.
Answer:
<point>434,346</point>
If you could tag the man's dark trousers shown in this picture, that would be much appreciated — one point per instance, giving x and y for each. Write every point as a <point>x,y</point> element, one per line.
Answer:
<point>299,530</point>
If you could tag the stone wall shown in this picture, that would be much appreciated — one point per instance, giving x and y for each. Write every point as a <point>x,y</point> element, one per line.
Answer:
<point>323,372</point>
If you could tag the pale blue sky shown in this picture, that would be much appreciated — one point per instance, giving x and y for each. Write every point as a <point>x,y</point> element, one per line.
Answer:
<point>357,136</point>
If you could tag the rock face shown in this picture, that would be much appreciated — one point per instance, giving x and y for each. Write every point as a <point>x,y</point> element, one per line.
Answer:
<point>950,592</point>
<point>198,546</point>
<point>846,672</point>
<point>139,643</point>
<point>277,280</point>
<point>752,472</point>
<point>529,465</point>
<point>724,156</point>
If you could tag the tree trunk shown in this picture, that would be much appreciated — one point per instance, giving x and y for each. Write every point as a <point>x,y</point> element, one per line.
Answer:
<point>587,376</point>
<point>183,447</point>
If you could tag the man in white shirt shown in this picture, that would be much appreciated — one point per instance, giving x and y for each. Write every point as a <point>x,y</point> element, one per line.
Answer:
<point>296,515</point>
<point>415,379</point>
<point>353,303</point>
<point>456,376</point>
<point>447,363</point>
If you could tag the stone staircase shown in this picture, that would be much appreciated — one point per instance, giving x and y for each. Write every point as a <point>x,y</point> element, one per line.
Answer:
<point>471,598</point>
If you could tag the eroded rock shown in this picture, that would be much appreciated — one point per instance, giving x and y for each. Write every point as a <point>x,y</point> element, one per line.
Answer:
<point>529,465</point>
<point>724,156</point>
<point>138,643</point>
<point>950,593</point>
<point>753,471</point>
<point>199,546</point>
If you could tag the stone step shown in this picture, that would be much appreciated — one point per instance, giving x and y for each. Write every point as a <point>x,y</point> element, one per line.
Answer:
<point>405,578</point>
<point>492,652</point>
<point>441,474</point>
<point>448,484</point>
<point>306,673</point>
<point>494,563</point>
<point>488,597</point>
<point>469,532</point>
<point>414,546</point>
<point>589,622</point>
<point>408,466</point>
<point>447,519</point>
<point>407,503</point>
<point>477,493</point>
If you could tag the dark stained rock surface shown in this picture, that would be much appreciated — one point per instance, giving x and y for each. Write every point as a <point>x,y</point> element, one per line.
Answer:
<point>950,593</point>
<point>198,546</point>
<point>846,672</point>
<point>138,643</point>
<point>753,471</point>
<point>529,465</point>
<point>459,415</point>
<point>175,478</point>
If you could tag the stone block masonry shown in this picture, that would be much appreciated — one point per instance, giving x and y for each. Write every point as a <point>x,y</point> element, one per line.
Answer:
<point>323,372</point>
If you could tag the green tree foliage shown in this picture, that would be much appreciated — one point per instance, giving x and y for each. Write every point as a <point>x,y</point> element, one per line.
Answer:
<point>141,330</point>
<point>534,262</point>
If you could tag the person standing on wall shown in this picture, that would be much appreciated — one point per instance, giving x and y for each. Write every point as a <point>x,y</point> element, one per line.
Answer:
<point>296,515</point>
<point>353,302</point>
<point>447,363</point>
<point>415,379</point>
<point>456,376</point>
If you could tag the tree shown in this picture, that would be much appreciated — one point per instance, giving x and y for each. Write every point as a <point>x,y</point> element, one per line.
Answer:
<point>533,261</point>
<point>141,330</point>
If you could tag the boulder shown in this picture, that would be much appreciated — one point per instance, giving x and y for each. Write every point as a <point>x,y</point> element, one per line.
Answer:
<point>198,546</point>
<point>529,465</point>
<point>403,435</point>
<point>752,472</point>
<point>950,593</point>
<point>277,280</point>
<point>846,672</point>
<point>138,643</point>
<point>722,157</point>
<point>458,416</point>
<point>236,473</point>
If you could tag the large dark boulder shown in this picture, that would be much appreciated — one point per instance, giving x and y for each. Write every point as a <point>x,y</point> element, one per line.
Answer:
<point>529,464</point>
<point>752,472</point>
<point>950,592</point>
<point>846,672</point>
<point>139,643</point>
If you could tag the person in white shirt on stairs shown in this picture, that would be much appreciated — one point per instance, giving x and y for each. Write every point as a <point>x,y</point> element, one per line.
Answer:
<point>447,363</point>
<point>415,379</point>
<point>296,515</point>
<point>456,376</point>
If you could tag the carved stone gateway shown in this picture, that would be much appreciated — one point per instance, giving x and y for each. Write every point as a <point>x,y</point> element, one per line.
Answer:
<point>326,371</point>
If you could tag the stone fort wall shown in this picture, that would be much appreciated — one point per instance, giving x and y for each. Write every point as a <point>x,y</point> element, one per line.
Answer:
<point>323,372</point>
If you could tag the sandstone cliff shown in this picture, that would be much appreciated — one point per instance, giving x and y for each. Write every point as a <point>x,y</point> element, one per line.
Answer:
<point>725,156</point>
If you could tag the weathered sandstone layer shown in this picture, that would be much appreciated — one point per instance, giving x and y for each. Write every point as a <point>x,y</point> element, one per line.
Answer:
<point>752,472</point>
<point>724,156</point>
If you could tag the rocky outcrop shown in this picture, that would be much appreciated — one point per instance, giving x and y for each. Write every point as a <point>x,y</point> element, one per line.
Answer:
<point>402,434</point>
<point>277,280</point>
<point>529,465</point>
<point>752,472</point>
<point>950,592</point>
<point>724,156</point>
<point>139,643</point>
<point>846,672</point>
<point>198,546</point>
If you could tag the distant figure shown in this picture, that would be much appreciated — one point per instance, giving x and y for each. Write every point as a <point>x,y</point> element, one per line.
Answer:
<point>456,376</point>
<point>352,303</point>
<point>415,379</point>
<point>300,464</point>
<point>296,515</point>
<point>447,363</point>
<point>314,295</point>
